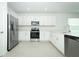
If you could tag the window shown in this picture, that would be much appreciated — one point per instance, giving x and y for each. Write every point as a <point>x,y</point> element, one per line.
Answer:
<point>74,25</point>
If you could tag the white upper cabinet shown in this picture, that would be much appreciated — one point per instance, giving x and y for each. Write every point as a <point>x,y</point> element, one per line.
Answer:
<point>47,20</point>
<point>43,20</point>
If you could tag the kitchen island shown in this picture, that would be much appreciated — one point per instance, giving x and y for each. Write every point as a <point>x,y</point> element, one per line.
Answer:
<point>71,45</point>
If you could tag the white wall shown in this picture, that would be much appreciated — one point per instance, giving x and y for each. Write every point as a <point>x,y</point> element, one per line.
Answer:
<point>3,28</point>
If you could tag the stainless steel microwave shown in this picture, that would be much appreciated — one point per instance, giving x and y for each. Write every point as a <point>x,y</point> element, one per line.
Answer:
<point>35,23</point>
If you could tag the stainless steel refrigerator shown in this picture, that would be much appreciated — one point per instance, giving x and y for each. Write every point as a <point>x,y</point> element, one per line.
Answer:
<point>12,32</point>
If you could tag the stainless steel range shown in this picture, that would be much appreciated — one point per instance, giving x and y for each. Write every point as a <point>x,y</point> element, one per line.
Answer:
<point>35,32</point>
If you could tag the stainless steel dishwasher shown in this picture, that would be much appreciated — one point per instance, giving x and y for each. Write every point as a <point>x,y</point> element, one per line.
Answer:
<point>71,46</point>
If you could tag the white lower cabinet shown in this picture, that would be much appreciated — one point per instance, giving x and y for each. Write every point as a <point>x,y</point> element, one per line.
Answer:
<point>24,36</point>
<point>44,35</point>
<point>58,41</point>
<point>61,42</point>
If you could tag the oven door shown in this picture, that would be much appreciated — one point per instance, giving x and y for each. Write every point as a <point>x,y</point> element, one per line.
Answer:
<point>34,35</point>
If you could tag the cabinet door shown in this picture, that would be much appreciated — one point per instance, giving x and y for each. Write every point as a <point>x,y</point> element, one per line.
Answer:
<point>41,20</point>
<point>29,19</point>
<point>47,20</point>
<point>54,39</point>
<point>50,20</point>
<point>44,35</point>
<point>60,42</point>
<point>24,35</point>
<point>73,48</point>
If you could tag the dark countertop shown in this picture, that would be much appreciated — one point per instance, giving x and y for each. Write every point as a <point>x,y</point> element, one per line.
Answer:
<point>71,36</point>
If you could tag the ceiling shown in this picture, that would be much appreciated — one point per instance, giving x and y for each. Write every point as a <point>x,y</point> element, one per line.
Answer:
<point>24,7</point>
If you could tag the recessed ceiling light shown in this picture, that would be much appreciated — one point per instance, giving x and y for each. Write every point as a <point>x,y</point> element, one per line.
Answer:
<point>45,9</point>
<point>28,9</point>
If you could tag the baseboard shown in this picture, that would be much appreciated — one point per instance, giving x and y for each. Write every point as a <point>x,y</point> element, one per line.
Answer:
<point>56,48</point>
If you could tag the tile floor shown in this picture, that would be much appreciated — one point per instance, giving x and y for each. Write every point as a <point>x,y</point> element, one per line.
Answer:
<point>34,49</point>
